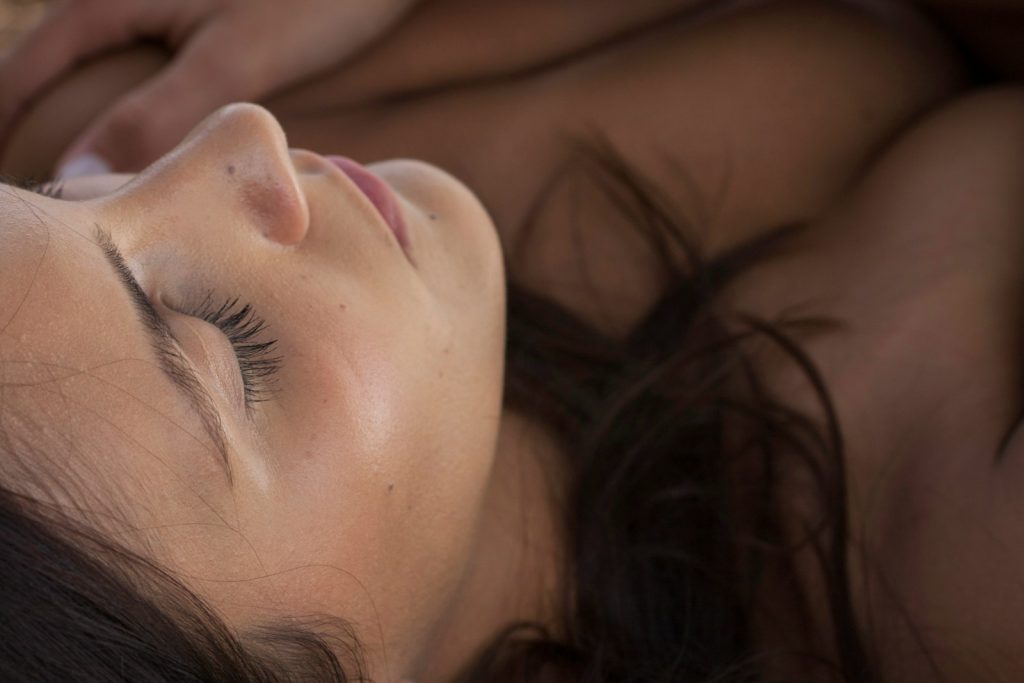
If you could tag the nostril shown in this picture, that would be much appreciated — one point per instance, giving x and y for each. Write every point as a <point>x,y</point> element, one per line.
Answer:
<point>278,211</point>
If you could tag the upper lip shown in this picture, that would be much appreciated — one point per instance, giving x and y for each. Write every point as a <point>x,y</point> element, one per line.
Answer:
<point>310,162</point>
<point>362,197</point>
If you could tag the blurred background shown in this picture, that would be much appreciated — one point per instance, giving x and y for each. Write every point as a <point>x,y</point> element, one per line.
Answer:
<point>15,15</point>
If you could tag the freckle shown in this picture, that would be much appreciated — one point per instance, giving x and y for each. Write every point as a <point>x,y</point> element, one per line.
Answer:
<point>440,373</point>
<point>447,350</point>
<point>231,170</point>
<point>433,216</point>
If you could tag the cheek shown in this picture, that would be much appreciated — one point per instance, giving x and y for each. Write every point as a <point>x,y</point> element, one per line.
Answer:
<point>404,398</point>
<point>392,447</point>
<point>380,446</point>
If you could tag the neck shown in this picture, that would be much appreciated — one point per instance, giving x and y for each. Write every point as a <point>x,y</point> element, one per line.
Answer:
<point>516,571</point>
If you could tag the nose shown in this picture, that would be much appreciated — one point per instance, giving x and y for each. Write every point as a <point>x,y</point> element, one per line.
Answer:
<point>245,146</point>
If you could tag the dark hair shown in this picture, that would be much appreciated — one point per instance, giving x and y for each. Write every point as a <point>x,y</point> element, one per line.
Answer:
<point>77,607</point>
<point>675,449</point>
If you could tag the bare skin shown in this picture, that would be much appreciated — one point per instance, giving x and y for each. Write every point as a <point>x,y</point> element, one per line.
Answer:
<point>508,137</point>
<point>794,138</point>
<point>922,262</point>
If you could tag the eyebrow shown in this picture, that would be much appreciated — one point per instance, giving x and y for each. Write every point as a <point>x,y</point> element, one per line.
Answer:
<point>171,361</point>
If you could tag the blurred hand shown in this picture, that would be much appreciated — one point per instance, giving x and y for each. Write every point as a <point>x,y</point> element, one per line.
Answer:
<point>224,51</point>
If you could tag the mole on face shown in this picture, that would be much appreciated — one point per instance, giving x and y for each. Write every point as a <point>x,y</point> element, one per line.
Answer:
<point>231,170</point>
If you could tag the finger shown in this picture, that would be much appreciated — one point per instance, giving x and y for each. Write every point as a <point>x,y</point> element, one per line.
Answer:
<point>149,121</point>
<point>68,32</point>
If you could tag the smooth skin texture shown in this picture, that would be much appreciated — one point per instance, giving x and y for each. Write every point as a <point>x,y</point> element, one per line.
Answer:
<point>760,146</point>
<point>831,128</point>
<point>922,262</point>
<point>362,485</point>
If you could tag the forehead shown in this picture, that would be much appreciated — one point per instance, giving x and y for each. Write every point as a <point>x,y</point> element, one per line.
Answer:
<point>78,379</point>
<point>52,277</point>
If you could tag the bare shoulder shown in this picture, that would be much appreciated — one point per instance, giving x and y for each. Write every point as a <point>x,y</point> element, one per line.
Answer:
<point>993,117</point>
<point>785,91</point>
<point>954,179</point>
<point>745,121</point>
<point>939,207</point>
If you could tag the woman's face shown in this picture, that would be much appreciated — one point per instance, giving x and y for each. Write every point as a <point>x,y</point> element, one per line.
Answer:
<point>353,488</point>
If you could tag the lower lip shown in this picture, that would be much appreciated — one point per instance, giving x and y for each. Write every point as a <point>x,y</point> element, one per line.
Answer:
<point>379,194</point>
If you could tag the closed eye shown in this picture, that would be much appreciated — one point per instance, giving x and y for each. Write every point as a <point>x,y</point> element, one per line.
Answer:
<point>240,324</point>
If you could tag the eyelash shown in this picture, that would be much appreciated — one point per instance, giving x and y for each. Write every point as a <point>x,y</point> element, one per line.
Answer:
<point>258,367</point>
<point>240,325</point>
<point>50,188</point>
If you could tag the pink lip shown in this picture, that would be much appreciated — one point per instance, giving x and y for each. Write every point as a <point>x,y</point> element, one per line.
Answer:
<point>378,192</point>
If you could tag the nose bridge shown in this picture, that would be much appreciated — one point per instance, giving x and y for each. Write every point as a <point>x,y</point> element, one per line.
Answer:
<point>245,154</point>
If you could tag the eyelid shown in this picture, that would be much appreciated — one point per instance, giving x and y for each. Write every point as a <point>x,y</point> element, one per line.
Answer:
<point>221,363</point>
<point>255,363</point>
<point>166,348</point>
<point>243,328</point>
